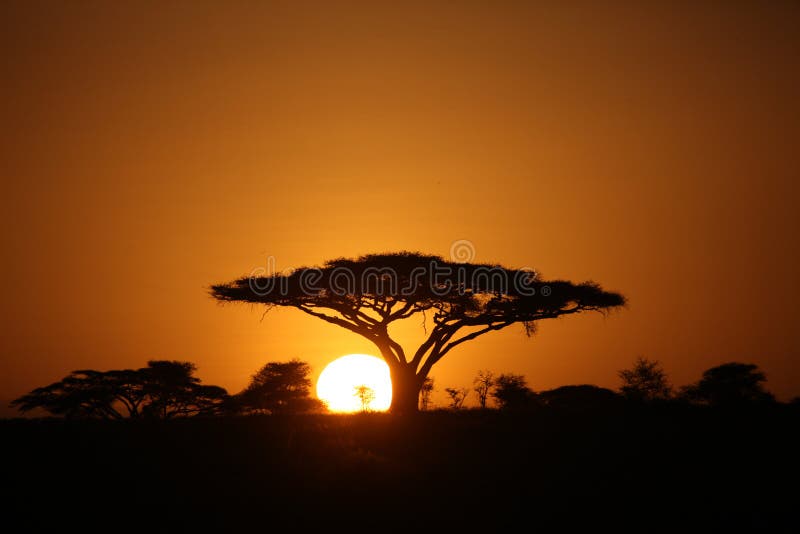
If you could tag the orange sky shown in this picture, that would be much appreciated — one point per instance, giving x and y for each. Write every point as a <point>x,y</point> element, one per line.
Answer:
<point>151,150</point>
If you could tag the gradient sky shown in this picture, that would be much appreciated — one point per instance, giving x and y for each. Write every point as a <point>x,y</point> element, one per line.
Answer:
<point>153,149</point>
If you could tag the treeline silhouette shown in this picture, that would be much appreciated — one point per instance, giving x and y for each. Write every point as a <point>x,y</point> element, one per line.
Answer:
<point>717,455</point>
<point>168,389</point>
<point>727,385</point>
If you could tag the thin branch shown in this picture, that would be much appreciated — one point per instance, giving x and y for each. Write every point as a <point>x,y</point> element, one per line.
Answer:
<point>358,329</point>
<point>473,335</point>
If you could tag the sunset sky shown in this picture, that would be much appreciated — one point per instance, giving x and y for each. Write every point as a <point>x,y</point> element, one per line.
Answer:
<point>152,149</point>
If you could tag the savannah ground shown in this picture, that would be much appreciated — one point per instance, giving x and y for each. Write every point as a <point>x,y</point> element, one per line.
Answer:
<point>648,468</point>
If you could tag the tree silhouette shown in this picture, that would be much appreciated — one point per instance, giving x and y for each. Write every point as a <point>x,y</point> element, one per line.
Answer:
<point>482,385</point>
<point>85,393</point>
<point>425,393</point>
<point>511,392</point>
<point>367,294</point>
<point>280,387</point>
<point>174,391</point>
<point>365,396</point>
<point>730,384</point>
<point>163,389</point>
<point>457,397</point>
<point>645,381</point>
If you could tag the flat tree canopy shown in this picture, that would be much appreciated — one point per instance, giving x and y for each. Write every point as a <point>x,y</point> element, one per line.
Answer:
<point>465,300</point>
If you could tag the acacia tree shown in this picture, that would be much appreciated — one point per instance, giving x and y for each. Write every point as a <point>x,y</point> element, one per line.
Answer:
<point>89,393</point>
<point>366,295</point>
<point>163,389</point>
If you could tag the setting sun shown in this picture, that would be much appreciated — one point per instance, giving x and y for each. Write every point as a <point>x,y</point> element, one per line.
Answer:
<point>339,382</point>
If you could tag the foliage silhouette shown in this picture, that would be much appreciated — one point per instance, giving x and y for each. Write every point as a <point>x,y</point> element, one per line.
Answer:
<point>163,389</point>
<point>173,391</point>
<point>645,381</point>
<point>511,392</point>
<point>365,396</point>
<point>367,294</point>
<point>280,387</point>
<point>457,397</point>
<point>482,385</point>
<point>730,384</point>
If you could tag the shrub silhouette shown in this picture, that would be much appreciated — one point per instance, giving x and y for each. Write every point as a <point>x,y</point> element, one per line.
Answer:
<point>511,392</point>
<point>645,381</point>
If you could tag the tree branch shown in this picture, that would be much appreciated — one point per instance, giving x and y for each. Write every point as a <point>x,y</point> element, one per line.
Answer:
<point>472,335</point>
<point>352,326</point>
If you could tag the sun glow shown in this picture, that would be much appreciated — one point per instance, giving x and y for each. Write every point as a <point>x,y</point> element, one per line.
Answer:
<point>338,385</point>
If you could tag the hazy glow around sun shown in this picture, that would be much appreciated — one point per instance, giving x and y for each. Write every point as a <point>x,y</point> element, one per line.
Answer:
<point>338,382</point>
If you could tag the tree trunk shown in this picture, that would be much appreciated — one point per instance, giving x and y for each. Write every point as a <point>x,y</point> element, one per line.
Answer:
<point>405,390</point>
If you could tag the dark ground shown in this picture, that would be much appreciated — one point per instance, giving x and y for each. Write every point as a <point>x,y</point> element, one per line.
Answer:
<point>638,468</point>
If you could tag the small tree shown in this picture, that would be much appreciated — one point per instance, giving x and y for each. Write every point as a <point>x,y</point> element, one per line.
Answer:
<point>457,397</point>
<point>645,381</point>
<point>482,385</point>
<point>425,393</point>
<point>280,387</point>
<point>511,392</point>
<point>728,385</point>
<point>365,396</point>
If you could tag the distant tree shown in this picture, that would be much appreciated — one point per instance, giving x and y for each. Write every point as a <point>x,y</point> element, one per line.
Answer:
<point>730,384</point>
<point>174,391</point>
<point>280,387</point>
<point>366,295</point>
<point>511,392</point>
<point>579,397</point>
<point>645,381</point>
<point>83,393</point>
<point>482,385</point>
<point>425,393</point>
<point>163,389</point>
<point>365,396</point>
<point>457,397</point>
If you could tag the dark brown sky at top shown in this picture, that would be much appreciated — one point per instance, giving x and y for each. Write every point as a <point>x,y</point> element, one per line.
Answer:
<point>152,149</point>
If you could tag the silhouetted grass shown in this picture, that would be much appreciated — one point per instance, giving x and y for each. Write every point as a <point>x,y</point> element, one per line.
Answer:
<point>652,467</point>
